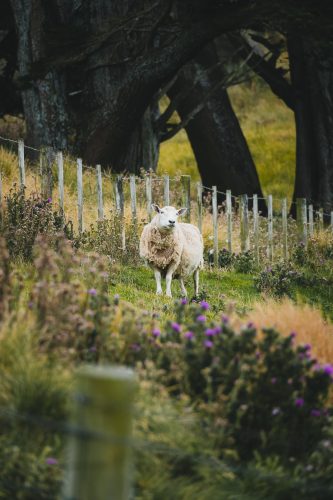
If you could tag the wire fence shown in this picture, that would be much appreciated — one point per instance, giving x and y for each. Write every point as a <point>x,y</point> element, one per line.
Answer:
<point>224,219</point>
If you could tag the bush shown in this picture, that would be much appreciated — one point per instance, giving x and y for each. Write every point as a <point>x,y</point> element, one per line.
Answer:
<point>24,219</point>
<point>276,280</point>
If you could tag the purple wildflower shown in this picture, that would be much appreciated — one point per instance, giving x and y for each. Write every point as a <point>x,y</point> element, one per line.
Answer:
<point>328,369</point>
<point>250,325</point>
<point>93,348</point>
<point>92,291</point>
<point>201,318</point>
<point>208,344</point>
<point>49,200</point>
<point>225,319</point>
<point>307,347</point>
<point>156,332</point>
<point>299,402</point>
<point>135,347</point>
<point>175,326</point>
<point>273,380</point>
<point>183,302</point>
<point>204,305</point>
<point>218,330</point>
<point>51,461</point>
<point>189,335</point>
<point>210,332</point>
<point>293,335</point>
<point>315,412</point>
<point>258,354</point>
<point>276,411</point>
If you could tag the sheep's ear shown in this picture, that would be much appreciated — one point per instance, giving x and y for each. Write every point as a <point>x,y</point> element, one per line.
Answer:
<point>155,207</point>
<point>181,211</point>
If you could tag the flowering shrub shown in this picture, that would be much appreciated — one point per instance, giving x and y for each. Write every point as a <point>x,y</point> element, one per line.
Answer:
<point>24,219</point>
<point>277,279</point>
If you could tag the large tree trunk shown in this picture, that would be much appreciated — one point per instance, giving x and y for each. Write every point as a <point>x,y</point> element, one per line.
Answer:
<point>218,143</point>
<point>312,78</point>
<point>98,104</point>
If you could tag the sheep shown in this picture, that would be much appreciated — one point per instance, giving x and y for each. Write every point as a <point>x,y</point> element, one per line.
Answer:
<point>172,249</point>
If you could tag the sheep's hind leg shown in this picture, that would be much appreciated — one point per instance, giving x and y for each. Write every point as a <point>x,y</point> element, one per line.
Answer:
<point>182,287</point>
<point>157,274</point>
<point>196,282</point>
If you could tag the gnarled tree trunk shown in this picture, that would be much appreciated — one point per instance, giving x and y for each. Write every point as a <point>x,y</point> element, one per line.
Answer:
<point>218,143</point>
<point>311,65</point>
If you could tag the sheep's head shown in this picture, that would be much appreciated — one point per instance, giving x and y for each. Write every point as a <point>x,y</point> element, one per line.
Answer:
<point>166,218</point>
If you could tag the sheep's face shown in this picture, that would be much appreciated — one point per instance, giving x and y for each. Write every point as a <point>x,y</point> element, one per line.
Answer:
<point>167,217</point>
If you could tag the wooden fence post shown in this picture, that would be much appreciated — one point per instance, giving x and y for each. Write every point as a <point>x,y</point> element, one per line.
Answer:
<point>133,196</point>
<point>186,195</point>
<point>99,447</point>
<point>244,223</point>
<point>284,229</point>
<point>60,165</point>
<point>99,183</point>
<point>229,220</point>
<point>46,161</point>
<point>199,205</point>
<point>120,207</point>
<point>215,227</point>
<point>166,190</point>
<point>21,163</point>
<point>301,217</point>
<point>311,227</point>
<point>256,227</point>
<point>270,227</point>
<point>149,195</point>
<point>79,195</point>
<point>321,219</point>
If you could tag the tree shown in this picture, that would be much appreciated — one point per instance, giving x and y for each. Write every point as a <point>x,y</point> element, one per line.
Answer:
<point>218,143</point>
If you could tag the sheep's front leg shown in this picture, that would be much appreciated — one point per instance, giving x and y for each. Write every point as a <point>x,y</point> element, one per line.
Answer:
<point>182,287</point>
<point>157,274</point>
<point>196,282</point>
<point>168,279</point>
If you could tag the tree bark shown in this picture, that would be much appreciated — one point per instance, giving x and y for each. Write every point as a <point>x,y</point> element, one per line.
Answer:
<point>218,143</point>
<point>311,66</point>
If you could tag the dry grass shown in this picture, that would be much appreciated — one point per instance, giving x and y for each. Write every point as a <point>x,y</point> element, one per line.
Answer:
<point>286,317</point>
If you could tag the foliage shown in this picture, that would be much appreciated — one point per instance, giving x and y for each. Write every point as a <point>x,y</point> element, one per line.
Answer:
<point>24,219</point>
<point>276,280</point>
<point>106,237</point>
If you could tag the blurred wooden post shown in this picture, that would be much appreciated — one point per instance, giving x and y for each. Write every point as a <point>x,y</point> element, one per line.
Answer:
<point>284,229</point>
<point>270,227</point>
<point>46,161</point>
<point>80,194</point>
<point>256,227</point>
<point>186,195</point>
<point>199,205</point>
<point>244,223</point>
<point>60,165</point>
<point>311,227</point>
<point>99,183</point>
<point>215,227</point>
<point>120,207</point>
<point>166,197</point>
<point>133,196</point>
<point>21,163</point>
<point>321,219</point>
<point>229,220</point>
<point>99,463</point>
<point>302,223</point>
<point>149,195</point>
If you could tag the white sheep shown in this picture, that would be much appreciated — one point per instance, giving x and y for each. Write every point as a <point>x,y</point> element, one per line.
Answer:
<point>172,249</point>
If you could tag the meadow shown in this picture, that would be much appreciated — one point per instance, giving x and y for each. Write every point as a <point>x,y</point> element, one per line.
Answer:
<point>235,398</point>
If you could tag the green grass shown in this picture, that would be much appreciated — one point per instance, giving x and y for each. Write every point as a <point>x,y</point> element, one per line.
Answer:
<point>221,289</point>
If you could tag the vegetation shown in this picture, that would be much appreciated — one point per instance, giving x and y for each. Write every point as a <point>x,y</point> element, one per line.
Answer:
<point>219,399</point>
